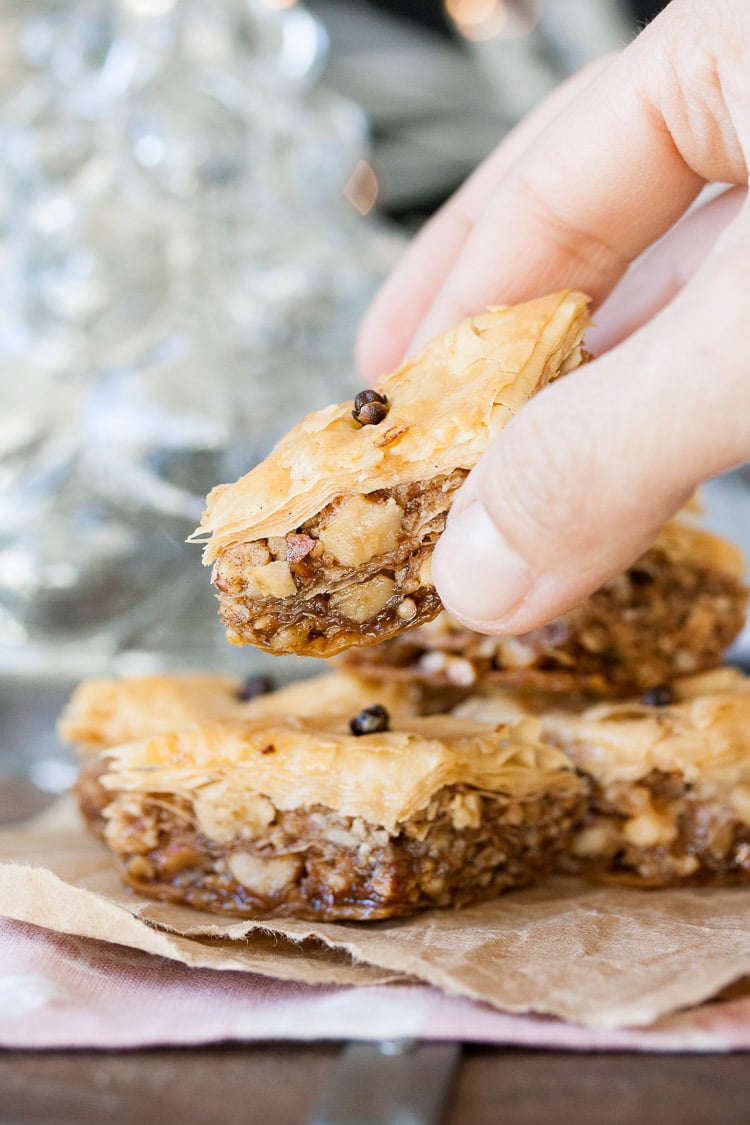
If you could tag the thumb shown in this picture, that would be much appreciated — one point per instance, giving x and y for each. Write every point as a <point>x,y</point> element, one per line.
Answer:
<point>579,483</point>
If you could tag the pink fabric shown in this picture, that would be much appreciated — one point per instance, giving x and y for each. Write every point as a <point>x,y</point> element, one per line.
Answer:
<point>61,991</point>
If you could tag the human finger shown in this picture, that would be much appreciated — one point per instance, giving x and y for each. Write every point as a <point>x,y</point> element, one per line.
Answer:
<point>578,484</point>
<point>405,296</point>
<point>657,278</point>
<point>615,170</point>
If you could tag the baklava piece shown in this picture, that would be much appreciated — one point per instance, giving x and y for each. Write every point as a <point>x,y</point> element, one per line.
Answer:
<point>669,778</point>
<point>102,713</point>
<point>328,543</point>
<point>107,712</point>
<point>674,612</point>
<point>346,818</point>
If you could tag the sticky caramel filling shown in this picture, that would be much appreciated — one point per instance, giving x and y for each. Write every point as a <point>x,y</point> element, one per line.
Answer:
<point>356,573</point>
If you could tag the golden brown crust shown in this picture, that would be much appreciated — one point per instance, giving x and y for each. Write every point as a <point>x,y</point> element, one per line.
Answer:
<point>706,736</point>
<point>701,729</point>
<point>495,704</point>
<point>234,768</point>
<point>445,406</point>
<point>103,713</point>
<point>323,545</point>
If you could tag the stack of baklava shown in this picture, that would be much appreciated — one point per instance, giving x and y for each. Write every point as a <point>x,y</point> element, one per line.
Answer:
<point>433,767</point>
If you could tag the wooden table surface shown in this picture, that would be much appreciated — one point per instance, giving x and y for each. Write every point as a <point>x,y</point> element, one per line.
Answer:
<point>234,1085</point>
<point>279,1084</point>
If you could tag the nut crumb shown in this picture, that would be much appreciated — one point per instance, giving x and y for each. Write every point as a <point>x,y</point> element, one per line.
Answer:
<point>407,609</point>
<point>298,547</point>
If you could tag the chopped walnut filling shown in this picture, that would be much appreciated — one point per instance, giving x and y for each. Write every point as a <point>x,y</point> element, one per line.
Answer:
<point>354,574</point>
<point>661,619</point>
<point>465,846</point>
<point>663,830</point>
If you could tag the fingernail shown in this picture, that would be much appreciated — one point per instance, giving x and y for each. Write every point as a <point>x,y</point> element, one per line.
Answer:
<point>479,577</point>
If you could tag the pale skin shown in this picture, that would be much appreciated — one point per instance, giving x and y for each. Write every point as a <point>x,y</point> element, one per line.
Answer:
<point>579,483</point>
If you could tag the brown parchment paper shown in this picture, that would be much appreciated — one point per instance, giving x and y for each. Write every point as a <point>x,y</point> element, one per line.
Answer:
<point>596,955</point>
<point>54,874</point>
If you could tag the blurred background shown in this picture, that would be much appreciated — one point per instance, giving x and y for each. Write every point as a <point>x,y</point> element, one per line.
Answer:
<point>198,199</point>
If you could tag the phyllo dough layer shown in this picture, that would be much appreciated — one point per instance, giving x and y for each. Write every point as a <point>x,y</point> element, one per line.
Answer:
<point>300,817</point>
<point>102,713</point>
<point>669,785</point>
<point>328,542</point>
<point>674,612</point>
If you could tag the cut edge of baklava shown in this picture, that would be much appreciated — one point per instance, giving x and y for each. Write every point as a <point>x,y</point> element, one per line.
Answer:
<point>304,818</point>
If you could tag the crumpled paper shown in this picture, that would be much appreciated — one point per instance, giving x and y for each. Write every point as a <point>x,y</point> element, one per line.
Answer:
<point>59,991</point>
<point>601,956</point>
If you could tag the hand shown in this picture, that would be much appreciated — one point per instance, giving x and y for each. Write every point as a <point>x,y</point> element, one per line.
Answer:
<point>579,483</point>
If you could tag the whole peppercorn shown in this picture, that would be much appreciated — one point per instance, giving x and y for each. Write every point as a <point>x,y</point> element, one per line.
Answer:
<point>253,686</point>
<point>661,695</point>
<point>371,720</point>
<point>370,408</point>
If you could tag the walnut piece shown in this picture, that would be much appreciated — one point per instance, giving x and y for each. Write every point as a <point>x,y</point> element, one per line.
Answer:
<point>360,603</point>
<point>648,829</point>
<point>263,876</point>
<point>274,580</point>
<point>359,529</point>
<point>222,819</point>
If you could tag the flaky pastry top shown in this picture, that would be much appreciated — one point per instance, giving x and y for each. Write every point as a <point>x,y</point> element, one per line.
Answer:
<point>104,713</point>
<point>704,733</point>
<point>384,778</point>
<point>446,404</point>
<point>704,737</point>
